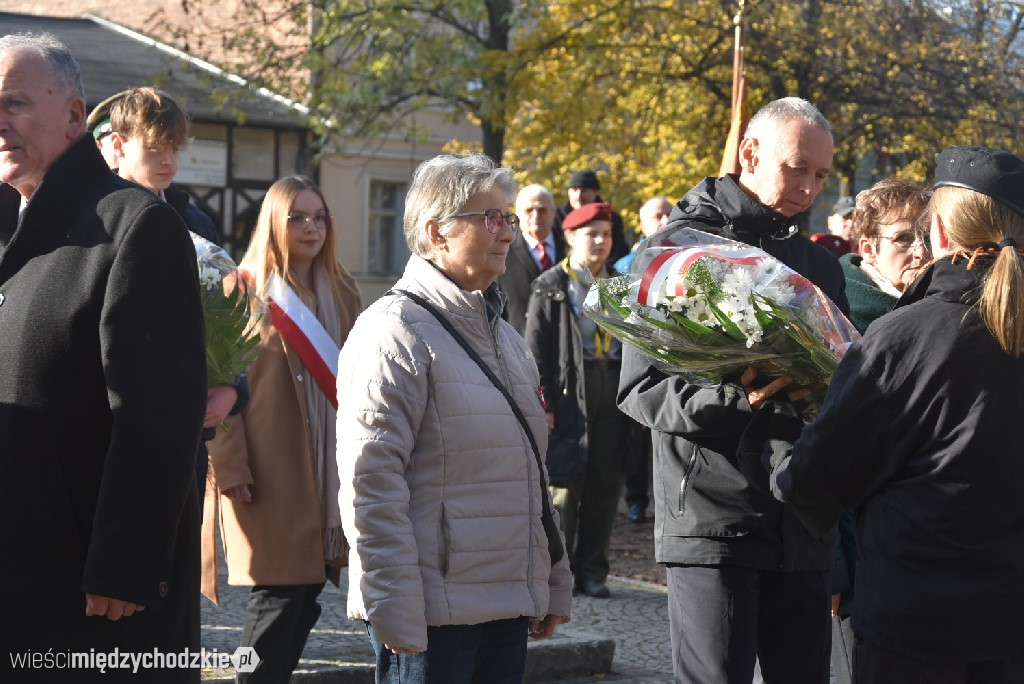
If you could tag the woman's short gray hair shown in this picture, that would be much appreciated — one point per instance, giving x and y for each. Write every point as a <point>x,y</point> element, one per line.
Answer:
<point>441,187</point>
<point>786,109</point>
<point>58,58</point>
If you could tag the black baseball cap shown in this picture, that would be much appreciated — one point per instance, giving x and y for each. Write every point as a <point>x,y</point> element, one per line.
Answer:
<point>995,173</point>
<point>584,179</point>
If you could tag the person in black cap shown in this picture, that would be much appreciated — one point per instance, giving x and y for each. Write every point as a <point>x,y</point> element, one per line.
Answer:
<point>919,432</point>
<point>584,188</point>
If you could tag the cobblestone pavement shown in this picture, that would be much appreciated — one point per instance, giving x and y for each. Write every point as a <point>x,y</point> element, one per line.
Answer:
<point>635,616</point>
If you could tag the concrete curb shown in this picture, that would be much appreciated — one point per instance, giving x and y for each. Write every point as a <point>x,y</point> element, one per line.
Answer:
<point>545,660</point>
<point>631,625</point>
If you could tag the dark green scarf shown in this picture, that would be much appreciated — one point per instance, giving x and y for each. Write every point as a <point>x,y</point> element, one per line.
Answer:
<point>867,301</point>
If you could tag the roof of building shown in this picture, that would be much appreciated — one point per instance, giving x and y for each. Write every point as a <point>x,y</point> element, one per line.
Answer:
<point>114,58</point>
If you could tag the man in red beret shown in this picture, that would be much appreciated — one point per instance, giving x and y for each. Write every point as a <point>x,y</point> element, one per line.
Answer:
<point>579,374</point>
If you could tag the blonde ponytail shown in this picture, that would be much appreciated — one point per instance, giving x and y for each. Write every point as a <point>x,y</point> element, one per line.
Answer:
<point>982,225</point>
<point>1002,301</point>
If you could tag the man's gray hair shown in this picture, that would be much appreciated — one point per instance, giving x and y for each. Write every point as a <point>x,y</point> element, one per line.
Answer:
<point>58,58</point>
<point>535,189</point>
<point>782,110</point>
<point>441,187</point>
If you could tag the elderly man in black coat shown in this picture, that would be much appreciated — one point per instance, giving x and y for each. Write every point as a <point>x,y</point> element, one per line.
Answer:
<point>102,390</point>
<point>745,579</point>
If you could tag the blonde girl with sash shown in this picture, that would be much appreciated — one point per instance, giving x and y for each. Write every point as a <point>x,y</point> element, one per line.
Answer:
<point>274,480</point>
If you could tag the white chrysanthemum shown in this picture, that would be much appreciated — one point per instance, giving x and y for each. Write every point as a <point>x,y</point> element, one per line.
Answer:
<point>738,283</point>
<point>700,312</point>
<point>732,308</point>
<point>780,291</point>
<point>209,276</point>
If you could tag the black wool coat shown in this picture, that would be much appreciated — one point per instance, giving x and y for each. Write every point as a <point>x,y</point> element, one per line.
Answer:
<point>102,397</point>
<point>706,510</point>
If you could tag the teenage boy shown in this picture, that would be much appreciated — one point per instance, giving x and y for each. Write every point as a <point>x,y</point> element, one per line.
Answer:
<point>147,131</point>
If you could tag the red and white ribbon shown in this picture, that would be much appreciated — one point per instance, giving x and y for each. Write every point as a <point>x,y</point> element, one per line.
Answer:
<point>666,271</point>
<point>305,334</point>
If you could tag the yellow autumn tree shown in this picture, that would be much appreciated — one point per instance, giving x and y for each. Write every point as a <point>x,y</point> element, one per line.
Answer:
<point>640,89</point>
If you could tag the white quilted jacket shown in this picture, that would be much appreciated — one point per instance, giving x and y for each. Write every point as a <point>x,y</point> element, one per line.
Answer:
<point>439,485</point>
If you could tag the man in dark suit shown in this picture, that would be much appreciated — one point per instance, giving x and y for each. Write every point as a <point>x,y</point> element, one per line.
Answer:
<point>536,248</point>
<point>102,389</point>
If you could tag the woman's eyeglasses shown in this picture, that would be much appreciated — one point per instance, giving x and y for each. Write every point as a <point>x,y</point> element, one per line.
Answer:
<point>299,221</point>
<point>906,242</point>
<point>493,219</point>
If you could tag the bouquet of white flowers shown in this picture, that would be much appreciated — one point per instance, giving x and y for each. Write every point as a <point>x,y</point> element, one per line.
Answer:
<point>707,307</point>
<point>232,312</point>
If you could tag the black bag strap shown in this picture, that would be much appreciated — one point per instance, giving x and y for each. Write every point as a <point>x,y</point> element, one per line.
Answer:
<point>554,544</point>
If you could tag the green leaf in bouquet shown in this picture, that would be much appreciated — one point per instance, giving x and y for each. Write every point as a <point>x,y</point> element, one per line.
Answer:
<point>231,334</point>
<point>727,324</point>
<point>700,334</point>
<point>701,276</point>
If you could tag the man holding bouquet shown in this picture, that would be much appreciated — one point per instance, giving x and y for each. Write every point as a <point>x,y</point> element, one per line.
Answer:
<point>746,581</point>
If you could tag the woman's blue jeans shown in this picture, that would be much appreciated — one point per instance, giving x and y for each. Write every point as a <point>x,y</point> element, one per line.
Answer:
<point>489,653</point>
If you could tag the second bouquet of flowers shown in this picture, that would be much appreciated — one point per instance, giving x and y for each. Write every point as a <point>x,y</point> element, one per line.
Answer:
<point>232,313</point>
<point>707,307</point>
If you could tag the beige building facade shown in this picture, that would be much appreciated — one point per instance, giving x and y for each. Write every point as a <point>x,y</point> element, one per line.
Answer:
<point>233,159</point>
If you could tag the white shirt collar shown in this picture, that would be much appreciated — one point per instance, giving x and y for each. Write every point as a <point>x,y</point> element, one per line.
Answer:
<point>549,242</point>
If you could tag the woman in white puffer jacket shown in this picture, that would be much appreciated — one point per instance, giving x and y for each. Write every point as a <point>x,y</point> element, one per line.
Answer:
<point>441,490</point>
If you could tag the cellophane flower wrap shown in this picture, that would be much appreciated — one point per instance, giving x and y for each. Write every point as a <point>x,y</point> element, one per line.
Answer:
<point>707,307</point>
<point>232,312</point>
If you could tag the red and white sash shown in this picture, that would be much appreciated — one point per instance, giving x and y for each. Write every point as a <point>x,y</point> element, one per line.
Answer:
<point>305,334</point>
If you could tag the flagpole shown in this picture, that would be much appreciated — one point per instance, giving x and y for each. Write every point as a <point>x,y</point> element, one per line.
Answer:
<point>738,115</point>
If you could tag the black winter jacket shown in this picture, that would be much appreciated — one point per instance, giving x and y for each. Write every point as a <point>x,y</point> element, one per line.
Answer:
<point>196,220</point>
<point>920,430</point>
<point>553,333</point>
<point>706,512</point>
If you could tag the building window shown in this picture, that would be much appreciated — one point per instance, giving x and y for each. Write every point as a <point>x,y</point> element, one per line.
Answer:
<point>386,251</point>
